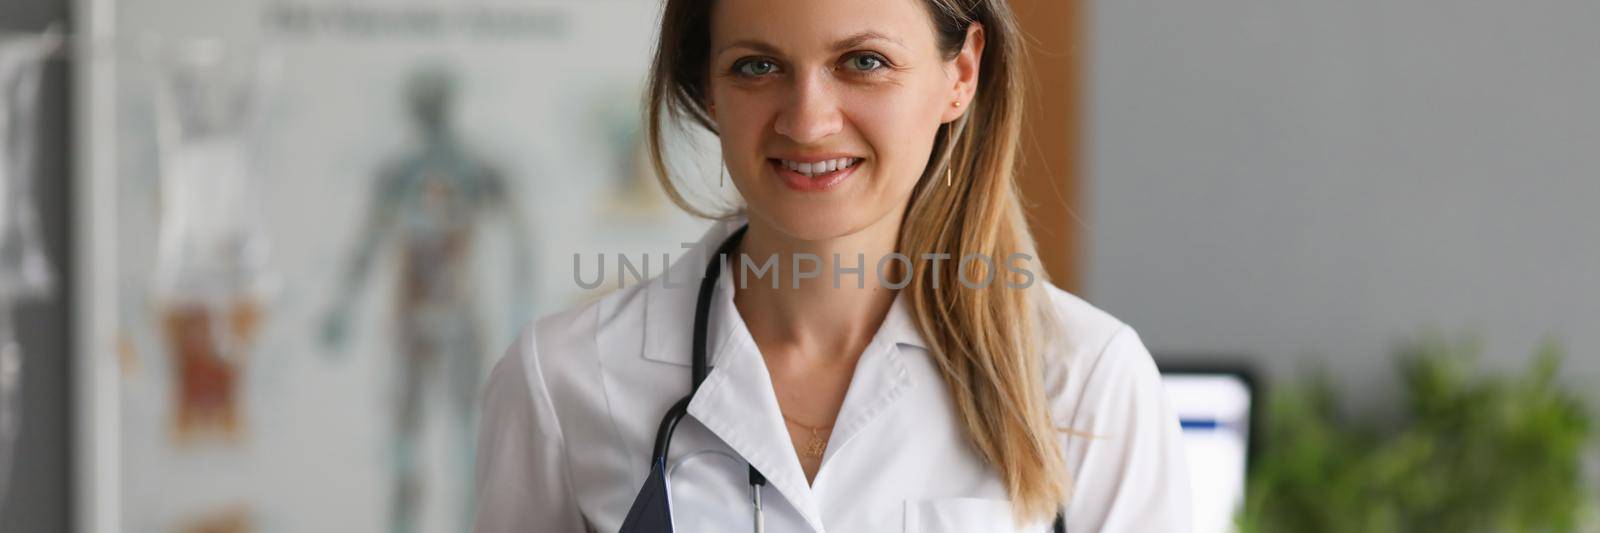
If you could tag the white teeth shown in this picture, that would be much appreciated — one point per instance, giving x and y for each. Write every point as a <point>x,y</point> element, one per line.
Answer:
<point>819,167</point>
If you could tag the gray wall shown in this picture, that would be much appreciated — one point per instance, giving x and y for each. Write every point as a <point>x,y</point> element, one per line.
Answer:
<point>1315,179</point>
<point>38,499</point>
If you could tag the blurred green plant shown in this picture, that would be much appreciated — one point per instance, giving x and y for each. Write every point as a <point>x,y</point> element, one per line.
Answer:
<point>1468,453</point>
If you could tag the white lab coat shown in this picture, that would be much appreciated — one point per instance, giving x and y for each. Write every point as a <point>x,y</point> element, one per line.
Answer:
<point>571,411</point>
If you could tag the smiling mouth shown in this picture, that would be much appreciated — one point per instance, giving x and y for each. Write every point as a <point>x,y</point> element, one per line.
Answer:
<point>816,176</point>
<point>818,168</point>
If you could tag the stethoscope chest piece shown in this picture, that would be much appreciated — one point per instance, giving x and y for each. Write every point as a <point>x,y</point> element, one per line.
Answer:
<point>652,508</point>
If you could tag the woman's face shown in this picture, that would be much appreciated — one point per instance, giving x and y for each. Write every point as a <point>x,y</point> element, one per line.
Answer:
<point>827,109</point>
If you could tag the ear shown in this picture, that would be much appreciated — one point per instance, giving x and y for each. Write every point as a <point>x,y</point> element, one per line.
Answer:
<point>964,71</point>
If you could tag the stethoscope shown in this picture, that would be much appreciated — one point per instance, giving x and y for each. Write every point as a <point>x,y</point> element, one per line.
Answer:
<point>652,508</point>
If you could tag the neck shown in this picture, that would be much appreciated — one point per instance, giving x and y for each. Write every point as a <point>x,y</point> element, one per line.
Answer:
<point>829,318</point>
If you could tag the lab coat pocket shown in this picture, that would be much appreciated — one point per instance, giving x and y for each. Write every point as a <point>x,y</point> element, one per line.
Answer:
<point>950,515</point>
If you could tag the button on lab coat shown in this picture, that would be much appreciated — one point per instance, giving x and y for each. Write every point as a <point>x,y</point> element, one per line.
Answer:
<point>571,411</point>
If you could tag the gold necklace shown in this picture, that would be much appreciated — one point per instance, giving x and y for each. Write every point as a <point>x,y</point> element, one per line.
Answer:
<point>818,443</point>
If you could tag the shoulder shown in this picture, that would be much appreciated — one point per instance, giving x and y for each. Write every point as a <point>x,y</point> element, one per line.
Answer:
<point>1122,441</point>
<point>1073,325</point>
<point>563,347</point>
<point>1092,358</point>
<point>618,338</point>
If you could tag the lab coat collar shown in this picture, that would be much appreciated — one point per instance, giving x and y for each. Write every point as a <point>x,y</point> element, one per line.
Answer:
<point>737,403</point>
<point>670,300</point>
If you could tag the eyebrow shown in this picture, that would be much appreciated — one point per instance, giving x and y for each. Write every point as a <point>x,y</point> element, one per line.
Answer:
<point>845,43</point>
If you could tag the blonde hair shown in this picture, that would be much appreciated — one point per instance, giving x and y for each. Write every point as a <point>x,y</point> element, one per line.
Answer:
<point>985,339</point>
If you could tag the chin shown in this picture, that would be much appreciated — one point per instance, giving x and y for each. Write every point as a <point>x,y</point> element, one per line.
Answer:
<point>807,221</point>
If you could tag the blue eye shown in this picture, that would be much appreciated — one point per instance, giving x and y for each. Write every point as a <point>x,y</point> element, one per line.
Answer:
<point>755,67</point>
<point>866,62</point>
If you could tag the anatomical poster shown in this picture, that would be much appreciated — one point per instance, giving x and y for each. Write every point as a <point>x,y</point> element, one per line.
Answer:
<point>317,224</point>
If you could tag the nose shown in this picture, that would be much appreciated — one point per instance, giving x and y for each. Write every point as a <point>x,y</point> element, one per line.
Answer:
<point>812,113</point>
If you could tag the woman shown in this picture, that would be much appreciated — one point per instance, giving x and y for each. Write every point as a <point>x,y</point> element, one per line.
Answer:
<point>918,401</point>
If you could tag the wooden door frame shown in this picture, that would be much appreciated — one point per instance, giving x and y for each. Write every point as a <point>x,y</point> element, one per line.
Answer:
<point>1051,170</point>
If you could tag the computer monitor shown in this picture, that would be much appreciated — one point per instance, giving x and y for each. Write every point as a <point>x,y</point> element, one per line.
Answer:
<point>1215,407</point>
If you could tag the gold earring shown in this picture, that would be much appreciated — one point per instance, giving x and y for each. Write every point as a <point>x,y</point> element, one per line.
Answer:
<point>947,175</point>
